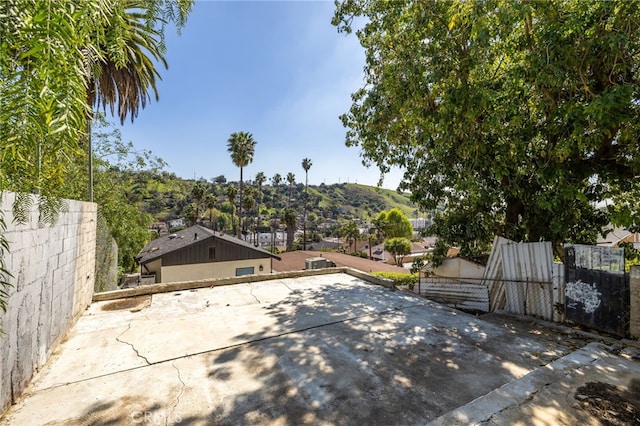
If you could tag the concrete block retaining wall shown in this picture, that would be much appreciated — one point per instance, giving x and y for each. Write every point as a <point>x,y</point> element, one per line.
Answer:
<point>53,268</point>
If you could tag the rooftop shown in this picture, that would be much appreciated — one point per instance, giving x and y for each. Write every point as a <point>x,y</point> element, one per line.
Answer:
<point>316,349</point>
<point>295,261</point>
<point>169,243</point>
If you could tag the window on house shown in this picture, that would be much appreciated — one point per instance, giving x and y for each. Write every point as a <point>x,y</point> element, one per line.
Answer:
<point>244,271</point>
<point>212,253</point>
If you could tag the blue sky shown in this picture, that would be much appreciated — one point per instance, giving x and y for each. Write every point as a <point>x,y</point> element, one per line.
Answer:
<point>277,69</point>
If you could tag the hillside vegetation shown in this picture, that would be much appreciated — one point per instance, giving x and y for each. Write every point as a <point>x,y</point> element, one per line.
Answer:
<point>166,196</point>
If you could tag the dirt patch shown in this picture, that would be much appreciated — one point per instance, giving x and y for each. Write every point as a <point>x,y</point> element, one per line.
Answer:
<point>133,304</point>
<point>611,404</point>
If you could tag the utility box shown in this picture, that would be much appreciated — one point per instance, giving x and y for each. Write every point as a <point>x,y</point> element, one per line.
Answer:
<point>315,263</point>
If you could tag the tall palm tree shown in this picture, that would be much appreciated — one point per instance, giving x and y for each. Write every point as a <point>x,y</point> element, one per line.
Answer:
<point>197,192</point>
<point>120,67</point>
<point>291,179</point>
<point>231,192</point>
<point>306,165</point>
<point>276,180</point>
<point>210,202</point>
<point>242,146</point>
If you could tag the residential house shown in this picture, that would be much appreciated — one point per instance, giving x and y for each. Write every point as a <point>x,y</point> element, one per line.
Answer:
<point>176,223</point>
<point>197,253</point>
<point>619,235</point>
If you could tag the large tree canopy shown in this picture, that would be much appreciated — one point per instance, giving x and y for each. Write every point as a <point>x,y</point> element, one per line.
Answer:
<point>51,54</point>
<point>519,118</point>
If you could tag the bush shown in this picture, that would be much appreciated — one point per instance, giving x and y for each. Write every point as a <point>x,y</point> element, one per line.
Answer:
<point>400,279</point>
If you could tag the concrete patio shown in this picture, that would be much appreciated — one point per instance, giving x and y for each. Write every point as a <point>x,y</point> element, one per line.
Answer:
<point>325,349</point>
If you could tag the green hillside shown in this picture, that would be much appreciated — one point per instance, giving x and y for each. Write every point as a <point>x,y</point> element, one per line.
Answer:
<point>167,196</point>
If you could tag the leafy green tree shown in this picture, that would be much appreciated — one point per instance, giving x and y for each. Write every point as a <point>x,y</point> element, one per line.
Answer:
<point>394,223</point>
<point>260,180</point>
<point>289,219</point>
<point>241,146</point>
<point>231,192</point>
<point>520,118</point>
<point>372,238</point>
<point>189,213</point>
<point>398,247</point>
<point>306,165</point>
<point>276,180</point>
<point>118,169</point>
<point>49,53</point>
<point>220,180</point>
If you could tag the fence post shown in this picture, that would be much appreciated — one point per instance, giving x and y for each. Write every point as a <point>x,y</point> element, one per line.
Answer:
<point>634,305</point>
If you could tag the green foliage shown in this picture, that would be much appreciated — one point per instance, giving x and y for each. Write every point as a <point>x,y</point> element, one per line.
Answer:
<point>52,54</point>
<point>399,278</point>
<point>519,117</point>
<point>117,187</point>
<point>419,264</point>
<point>5,274</point>
<point>241,146</point>
<point>289,218</point>
<point>351,233</point>
<point>631,255</point>
<point>398,247</point>
<point>394,224</point>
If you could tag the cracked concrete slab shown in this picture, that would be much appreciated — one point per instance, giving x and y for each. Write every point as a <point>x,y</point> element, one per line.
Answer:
<point>330,349</point>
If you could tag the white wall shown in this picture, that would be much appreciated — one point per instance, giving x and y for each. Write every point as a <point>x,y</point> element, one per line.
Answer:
<point>53,271</point>
<point>460,268</point>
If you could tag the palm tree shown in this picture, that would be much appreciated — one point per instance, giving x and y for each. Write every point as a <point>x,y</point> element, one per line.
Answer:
<point>276,180</point>
<point>306,165</point>
<point>197,192</point>
<point>210,202</point>
<point>351,233</point>
<point>125,75</point>
<point>291,178</point>
<point>121,68</point>
<point>231,192</point>
<point>242,146</point>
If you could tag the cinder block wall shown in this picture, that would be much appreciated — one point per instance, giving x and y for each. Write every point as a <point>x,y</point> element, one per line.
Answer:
<point>53,269</point>
<point>634,326</point>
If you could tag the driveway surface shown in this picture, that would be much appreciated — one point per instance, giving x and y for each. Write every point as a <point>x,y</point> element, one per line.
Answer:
<point>325,349</point>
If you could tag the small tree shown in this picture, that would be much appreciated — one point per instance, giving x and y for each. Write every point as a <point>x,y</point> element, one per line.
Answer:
<point>289,219</point>
<point>399,248</point>
<point>394,223</point>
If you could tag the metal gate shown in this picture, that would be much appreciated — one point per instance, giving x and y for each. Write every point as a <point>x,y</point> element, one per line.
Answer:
<point>597,289</point>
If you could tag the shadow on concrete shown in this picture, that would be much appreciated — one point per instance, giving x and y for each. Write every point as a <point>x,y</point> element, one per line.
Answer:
<point>357,355</point>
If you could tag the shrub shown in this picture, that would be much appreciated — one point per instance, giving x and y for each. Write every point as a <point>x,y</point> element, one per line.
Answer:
<point>400,279</point>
